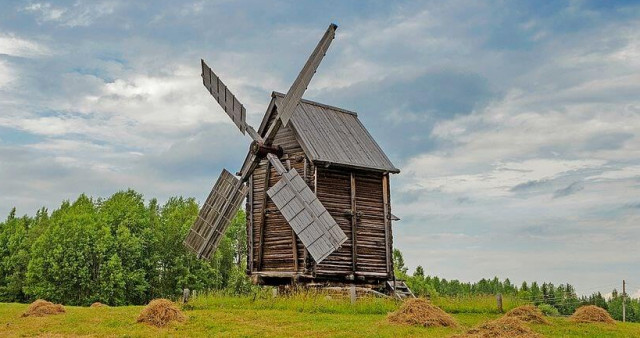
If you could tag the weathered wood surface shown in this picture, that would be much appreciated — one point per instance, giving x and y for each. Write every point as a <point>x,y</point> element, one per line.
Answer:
<point>215,215</point>
<point>315,227</point>
<point>277,247</point>
<point>333,187</point>
<point>335,136</point>
<point>225,98</point>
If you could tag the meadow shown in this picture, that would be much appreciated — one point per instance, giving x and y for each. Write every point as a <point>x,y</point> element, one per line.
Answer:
<point>299,315</point>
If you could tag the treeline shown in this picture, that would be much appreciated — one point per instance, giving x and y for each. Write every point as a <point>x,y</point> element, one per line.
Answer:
<point>116,251</point>
<point>553,300</point>
<point>123,250</point>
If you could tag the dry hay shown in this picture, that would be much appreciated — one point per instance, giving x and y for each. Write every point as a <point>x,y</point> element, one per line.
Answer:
<point>418,311</point>
<point>527,313</point>
<point>98,304</point>
<point>41,308</point>
<point>159,312</point>
<point>591,314</point>
<point>502,327</point>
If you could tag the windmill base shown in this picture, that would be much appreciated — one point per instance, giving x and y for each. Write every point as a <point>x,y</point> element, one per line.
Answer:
<point>372,285</point>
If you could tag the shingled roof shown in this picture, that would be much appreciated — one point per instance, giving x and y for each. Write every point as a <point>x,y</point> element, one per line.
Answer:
<point>333,135</point>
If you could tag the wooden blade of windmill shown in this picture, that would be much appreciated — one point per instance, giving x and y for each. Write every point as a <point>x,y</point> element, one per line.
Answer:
<point>293,96</point>
<point>216,215</point>
<point>306,215</point>
<point>225,98</point>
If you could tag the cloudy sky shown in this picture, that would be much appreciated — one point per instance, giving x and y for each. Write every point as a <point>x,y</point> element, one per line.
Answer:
<point>516,125</point>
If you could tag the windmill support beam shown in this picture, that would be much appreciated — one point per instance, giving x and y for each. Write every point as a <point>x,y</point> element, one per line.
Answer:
<point>354,221</point>
<point>263,217</point>
<point>387,222</point>
<point>294,247</point>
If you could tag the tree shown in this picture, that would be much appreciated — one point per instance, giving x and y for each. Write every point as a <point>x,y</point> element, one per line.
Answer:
<point>399,268</point>
<point>14,257</point>
<point>66,260</point>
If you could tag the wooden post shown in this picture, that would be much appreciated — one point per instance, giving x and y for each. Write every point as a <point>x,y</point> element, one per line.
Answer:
<point>263,217</point>
<point>499,302</point>
<point>354,230</point>
<point>315,192</point>
<point>294,245</point>
<point>250,226</point>
<point>353,293</point>
<point>387,222</point>
<point>185,296</point>
<point>624,298</point>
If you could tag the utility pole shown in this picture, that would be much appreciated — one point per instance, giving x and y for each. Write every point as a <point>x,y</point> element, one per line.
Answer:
<point>624,305</point>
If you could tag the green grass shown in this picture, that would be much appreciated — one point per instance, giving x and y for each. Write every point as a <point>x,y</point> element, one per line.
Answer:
<point>301,315</point>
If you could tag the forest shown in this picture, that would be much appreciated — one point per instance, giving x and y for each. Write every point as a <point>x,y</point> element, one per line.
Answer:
<point>124,250</point>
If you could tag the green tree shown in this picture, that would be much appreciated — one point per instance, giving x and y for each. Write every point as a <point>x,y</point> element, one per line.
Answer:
<point>67,257</point>
<point>14,257</point>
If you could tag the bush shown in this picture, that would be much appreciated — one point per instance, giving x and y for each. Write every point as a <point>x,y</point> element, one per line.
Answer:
<point>548,310</point>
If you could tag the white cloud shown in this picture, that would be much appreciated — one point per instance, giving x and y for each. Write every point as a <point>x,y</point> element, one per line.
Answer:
<point>82,13</point>
<point>12,45</point>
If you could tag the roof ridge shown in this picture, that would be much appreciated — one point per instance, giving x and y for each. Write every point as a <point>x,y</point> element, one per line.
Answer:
<point>342,110</point>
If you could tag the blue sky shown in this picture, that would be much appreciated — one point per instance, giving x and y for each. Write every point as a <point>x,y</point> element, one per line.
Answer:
<point>516,124</point>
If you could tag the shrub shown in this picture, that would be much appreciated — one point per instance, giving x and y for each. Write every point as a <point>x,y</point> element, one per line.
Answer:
<point>548,310</point>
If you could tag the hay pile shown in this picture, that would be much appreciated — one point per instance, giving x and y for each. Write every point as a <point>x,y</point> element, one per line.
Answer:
<point>97,304</point>
<point>503,327</point>
<point>528,314</point>
<point>418,311</point>
<point>41,308</point>
<point>591,314</point>
<point>159,312</point>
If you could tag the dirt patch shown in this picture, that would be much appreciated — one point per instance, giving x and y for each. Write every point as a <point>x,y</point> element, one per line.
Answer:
<point>41,308</point>
<point>160,312</point>
<point>502,327</point>
<point>418,311</point>
<point>527,313</point>
<point>591,314</point>
<point>98,304</point>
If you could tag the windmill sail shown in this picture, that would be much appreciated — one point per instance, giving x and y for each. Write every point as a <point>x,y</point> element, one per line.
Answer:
<point>225,98</point>
<point>310,220</point>
<point>299,86</point>
<point>215,215</point>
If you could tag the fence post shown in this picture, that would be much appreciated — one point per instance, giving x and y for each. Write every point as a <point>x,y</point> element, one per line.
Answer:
<point>353,293</point>
<point>185,295</point>
<point>499,302</point>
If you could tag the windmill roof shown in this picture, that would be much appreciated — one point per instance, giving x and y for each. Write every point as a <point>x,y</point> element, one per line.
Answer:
<point>333,135</point>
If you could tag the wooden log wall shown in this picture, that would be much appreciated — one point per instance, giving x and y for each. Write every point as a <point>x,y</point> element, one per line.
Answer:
<point>372,233</point>
<point>358,201</point>
<point>275,246</point>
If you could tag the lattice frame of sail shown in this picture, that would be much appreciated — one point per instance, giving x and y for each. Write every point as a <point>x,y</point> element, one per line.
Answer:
<point>216,214</point>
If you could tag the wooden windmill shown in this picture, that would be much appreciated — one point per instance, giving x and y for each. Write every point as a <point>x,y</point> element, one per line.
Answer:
<point>317,191</point>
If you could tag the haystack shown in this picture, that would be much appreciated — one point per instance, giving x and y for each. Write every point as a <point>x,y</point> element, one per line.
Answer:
<point>160,312</point>
<point>527,313</point>
<point>591,314</point>
<point>41,308</point>
<point>418,311</point>
<point>98,304</point>
<point>502,327</point>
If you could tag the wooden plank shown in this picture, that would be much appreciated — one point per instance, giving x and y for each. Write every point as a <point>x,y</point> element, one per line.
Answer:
<point>215,215</point>
<point>263,218</point>
<point>354,220</point>
<point>387,222</point>
<point>317,230</point>
<point>294,247</point>
<point>225,98</point>
<point>249,209</point>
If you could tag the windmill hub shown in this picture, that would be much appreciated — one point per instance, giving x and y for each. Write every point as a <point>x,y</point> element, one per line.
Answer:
<point>260,150</point>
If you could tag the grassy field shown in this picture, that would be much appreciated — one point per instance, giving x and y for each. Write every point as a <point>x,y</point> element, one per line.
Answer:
<point>301,316</point>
